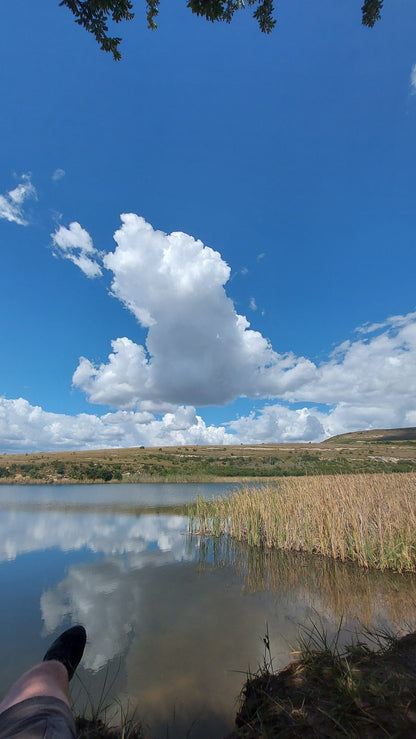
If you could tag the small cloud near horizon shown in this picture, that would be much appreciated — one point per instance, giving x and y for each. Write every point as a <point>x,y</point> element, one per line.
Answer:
<point>260,256</point>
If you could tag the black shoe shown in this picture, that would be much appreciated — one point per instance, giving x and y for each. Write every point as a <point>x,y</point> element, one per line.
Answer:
<point>68,648</point>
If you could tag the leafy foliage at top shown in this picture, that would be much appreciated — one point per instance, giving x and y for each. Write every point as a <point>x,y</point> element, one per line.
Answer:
<point>94,15</point>
<point>371,11</point>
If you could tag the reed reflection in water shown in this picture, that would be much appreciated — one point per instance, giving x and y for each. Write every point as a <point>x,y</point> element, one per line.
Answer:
<point>333,589</point>
<point>177,619</point>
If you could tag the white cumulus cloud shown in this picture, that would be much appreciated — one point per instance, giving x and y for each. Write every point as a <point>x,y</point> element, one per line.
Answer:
<point>11,204</point>
<point>24,427</point>
<point>370,372</point>
<point>278,424</point>
<point>199,350</point>
<point>75,243</point>
<point>367,383</point>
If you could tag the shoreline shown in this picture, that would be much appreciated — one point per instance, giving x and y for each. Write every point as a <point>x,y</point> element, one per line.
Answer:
<point>358,691</point>
<point>142,481</point>
<point>365,452</point>
<point>364,689</point>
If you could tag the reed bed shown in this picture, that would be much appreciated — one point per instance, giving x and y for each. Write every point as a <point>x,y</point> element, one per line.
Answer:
<point>368,519</point>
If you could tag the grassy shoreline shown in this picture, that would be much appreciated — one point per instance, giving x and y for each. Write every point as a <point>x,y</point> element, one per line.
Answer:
<point>359,691</point>
<point>367,519</point>
<point>366,688</point>
<point>363,452</point>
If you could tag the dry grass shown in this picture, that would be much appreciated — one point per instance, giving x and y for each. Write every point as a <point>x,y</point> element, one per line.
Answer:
<point>368,519</point>
<point>379,451</point>
<point>358,692</point>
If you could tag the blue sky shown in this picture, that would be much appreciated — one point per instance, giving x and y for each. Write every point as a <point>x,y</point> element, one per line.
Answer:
<point>284,164</point>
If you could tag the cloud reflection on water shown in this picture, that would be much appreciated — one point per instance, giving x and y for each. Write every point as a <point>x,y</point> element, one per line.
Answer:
<point>106,533</point>
<point>105,595</point>
<point>186,616</point>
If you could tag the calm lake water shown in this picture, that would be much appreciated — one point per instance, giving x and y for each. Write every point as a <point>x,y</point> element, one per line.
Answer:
<point>173,622</point>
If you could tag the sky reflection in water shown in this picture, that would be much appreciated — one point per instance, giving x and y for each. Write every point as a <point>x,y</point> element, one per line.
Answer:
<point>175,618</point>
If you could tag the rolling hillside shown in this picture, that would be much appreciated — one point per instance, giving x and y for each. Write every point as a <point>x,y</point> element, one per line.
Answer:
<point>380,450</point>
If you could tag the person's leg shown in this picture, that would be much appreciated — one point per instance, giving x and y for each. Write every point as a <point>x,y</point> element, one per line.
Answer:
<point>51,677</point>
<point>45,679</point>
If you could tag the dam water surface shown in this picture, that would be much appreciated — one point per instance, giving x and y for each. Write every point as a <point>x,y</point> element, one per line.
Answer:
<point>174,622</point>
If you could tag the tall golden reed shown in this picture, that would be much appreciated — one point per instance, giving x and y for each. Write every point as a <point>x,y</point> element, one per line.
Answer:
<point>367,518</point>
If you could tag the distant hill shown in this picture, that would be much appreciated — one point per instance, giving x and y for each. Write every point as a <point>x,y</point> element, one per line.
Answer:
<point>377,435</point>
<point>379,450</point>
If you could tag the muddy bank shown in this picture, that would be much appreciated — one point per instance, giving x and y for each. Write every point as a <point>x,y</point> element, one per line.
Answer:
<point>360,692</point>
